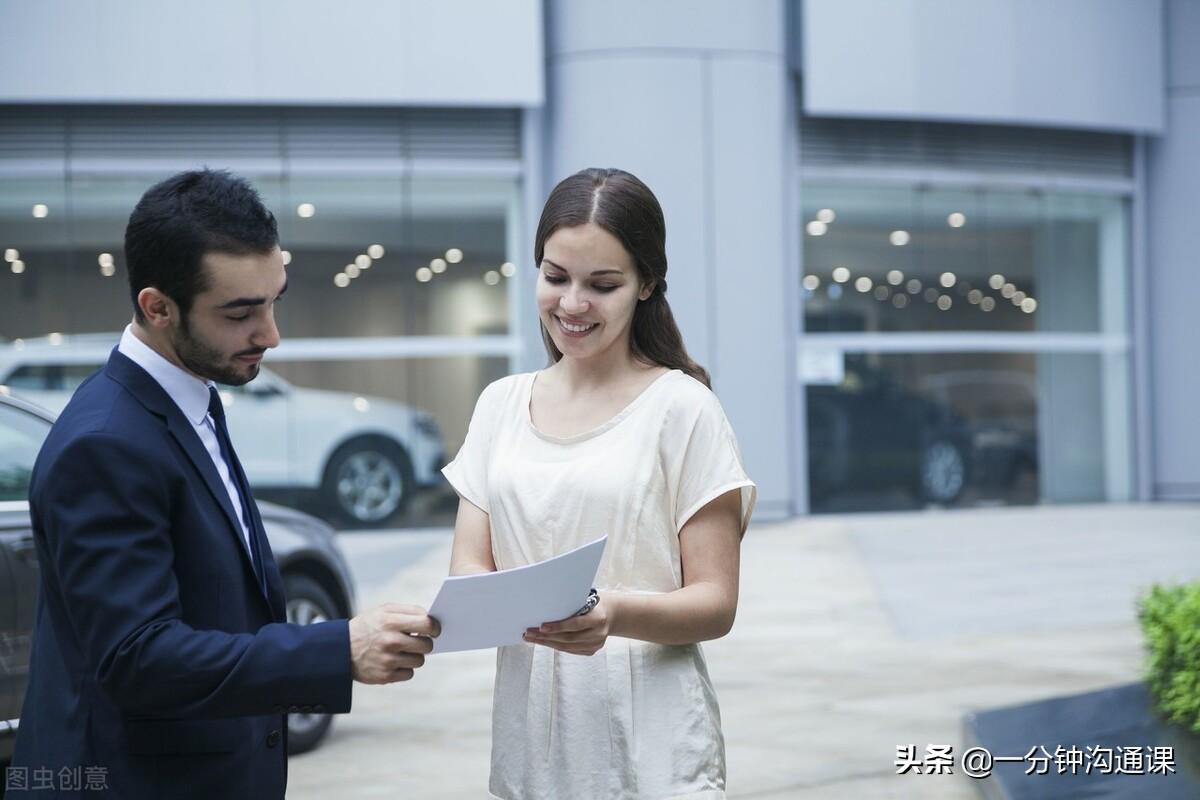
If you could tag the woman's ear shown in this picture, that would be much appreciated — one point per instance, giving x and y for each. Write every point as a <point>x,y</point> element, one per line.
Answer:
<point>647,290</point>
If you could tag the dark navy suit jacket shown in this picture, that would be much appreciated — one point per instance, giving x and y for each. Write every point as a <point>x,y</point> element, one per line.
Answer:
<point>157,656</point>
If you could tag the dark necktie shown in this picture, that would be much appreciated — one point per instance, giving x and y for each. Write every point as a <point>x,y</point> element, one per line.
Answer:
<point>217,411</point>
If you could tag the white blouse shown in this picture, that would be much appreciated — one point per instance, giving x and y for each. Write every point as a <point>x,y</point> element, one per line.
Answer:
<point>636,720</point>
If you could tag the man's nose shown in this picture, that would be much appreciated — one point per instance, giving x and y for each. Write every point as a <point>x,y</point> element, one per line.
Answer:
<point>268,335</point>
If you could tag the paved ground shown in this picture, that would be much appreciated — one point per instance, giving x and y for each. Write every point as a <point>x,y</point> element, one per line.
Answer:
<point>856,634</point>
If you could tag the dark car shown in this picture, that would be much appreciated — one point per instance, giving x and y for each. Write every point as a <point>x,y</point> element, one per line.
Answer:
<point>315,573</point>
<point>870,435</point>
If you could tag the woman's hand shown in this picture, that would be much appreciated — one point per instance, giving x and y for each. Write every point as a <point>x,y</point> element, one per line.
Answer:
<point>583,635</point>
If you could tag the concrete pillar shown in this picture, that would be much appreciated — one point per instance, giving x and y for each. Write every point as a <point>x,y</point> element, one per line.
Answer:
<point>693,97</point>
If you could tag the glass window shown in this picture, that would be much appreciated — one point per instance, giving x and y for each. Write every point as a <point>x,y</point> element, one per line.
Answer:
<point>37,378</point>
<point>954,429</point>
<point>21,436</point>
<point>370,256</point>
<point>886,259</point>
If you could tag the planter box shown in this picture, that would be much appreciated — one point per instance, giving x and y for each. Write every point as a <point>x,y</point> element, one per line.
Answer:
<point>1122,716</point>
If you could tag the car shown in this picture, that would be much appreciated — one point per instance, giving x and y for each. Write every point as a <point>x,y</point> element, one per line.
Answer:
<point>315,574</point>
<point>1000,407</point>
<point>869,434</point>
<point>364,458</point>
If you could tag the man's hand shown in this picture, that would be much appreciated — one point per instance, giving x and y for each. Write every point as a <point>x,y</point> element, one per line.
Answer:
<point>389,642</point>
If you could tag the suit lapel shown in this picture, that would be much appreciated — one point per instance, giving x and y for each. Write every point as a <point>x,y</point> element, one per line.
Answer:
<point>151,395</point>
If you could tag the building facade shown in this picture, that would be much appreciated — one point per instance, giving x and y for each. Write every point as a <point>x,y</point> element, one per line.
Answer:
<point>932,254</point>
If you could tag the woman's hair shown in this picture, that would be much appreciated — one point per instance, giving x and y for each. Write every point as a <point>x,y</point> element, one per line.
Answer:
<point>621,204</point>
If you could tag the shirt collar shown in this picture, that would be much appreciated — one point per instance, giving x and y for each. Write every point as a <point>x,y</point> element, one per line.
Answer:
<point>189,393</point>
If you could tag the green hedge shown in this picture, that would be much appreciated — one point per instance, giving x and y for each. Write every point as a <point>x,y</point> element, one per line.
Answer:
<point>1170,620</point>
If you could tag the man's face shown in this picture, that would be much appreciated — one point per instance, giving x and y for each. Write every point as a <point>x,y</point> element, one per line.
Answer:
<point>232,323</point>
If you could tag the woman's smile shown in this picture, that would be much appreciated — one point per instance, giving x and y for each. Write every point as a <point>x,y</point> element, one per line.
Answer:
<point>574,328</point>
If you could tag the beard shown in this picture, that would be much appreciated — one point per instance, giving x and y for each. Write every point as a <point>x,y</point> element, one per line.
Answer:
<point>201,358</point>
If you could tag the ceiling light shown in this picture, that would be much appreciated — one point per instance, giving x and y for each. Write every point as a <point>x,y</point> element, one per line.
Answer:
<point>996,281</point>
<point>305,210</point>
<point>1029,305</point>
<point>913,286</point>
<point>362,261</point>
<point>18,267</point>
<point>438,265</point>
<point>454,255</point>
<point>895,277</point>
<point>811,282</point>
<point>108,271</point>
<point>863,284</point>
<point>11,255</point>
<point>55,339</point>
<point>341,280</point>
<point>882,292</point>
<point>899,238</point>
<point>826,215</point>
<point>948,279</point>
<point>974,296</point>
<point>944,302</point>
<point>957,219</point>
<point>375,251</point>
<point>491,277</point>
<point>286,255</point>
<point>841,274</point>
<point>352,271</point>
<point>816,228</point>
<point>899,300</point>
<point>508,269</point>
<point>424,274</point>
<point>987,304</point>
<point>41,211</point>
<point>1008,290</point>
<point>105,260</point>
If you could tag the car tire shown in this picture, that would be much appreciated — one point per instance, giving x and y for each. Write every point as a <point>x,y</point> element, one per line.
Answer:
<point>368,482</point>
<point>943,473</point>
<point>307,603</point>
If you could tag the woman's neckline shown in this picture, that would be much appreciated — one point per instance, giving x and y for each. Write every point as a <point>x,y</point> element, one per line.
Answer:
<point>599,429</point>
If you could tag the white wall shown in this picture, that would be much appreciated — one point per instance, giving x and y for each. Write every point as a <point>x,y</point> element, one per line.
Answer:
<point>692,97</point>
<point>1066,63</point>
<point>1174,265</point>
<point>402,52</point>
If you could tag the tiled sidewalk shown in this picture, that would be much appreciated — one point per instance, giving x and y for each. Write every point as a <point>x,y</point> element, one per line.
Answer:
<point>856,634</point>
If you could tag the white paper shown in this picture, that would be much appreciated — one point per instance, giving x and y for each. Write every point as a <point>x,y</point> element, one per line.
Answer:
<point>494,608</point>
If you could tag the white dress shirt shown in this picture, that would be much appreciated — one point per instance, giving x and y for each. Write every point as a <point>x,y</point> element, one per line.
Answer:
<point>190,394</point>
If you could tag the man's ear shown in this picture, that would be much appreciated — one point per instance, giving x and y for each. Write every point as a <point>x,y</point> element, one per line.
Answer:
<point>157,309</point>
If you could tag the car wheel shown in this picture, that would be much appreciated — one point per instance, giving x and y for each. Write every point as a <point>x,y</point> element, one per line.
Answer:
<point>943,472</point>
<point>368,482</point>
<point>307,603</point>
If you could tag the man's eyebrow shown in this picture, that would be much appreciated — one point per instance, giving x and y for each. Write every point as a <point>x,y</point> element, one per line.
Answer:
<point>243,302</point>
<point>597,272</point>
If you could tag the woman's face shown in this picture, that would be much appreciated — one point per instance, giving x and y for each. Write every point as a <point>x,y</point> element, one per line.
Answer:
<point>587,290</point>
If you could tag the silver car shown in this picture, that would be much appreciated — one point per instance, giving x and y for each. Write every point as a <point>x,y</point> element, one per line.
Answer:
<point>315,574</point>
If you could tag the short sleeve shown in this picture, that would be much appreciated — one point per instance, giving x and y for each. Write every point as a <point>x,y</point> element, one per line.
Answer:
<point>711,464</point>
<point>467,473</point>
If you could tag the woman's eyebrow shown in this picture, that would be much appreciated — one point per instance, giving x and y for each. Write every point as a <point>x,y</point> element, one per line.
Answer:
<point>597,272</point>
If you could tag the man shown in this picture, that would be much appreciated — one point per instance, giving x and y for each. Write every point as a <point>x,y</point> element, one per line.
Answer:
<point>160,652</point>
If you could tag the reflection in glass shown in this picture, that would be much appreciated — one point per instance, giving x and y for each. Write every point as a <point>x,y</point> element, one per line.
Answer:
<point>1065,252</point>
<point>912,430</point>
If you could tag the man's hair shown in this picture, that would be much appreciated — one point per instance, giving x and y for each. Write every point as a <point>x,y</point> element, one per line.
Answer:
<point>184,217</point>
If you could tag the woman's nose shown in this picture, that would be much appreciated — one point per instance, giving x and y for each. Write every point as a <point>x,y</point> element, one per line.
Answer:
<point>572,303</point>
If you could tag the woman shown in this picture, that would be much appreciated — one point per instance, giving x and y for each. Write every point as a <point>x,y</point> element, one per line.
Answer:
<point>622,436</point>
